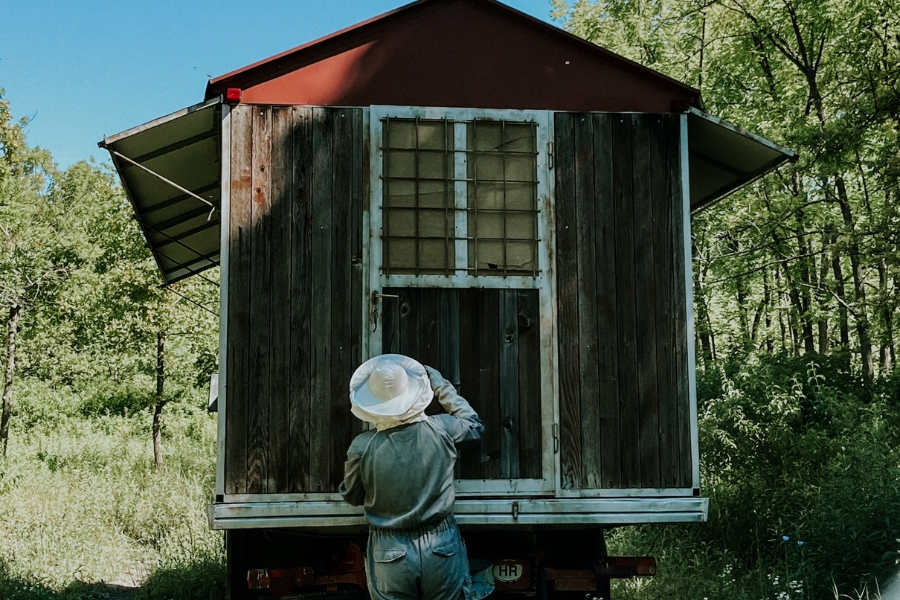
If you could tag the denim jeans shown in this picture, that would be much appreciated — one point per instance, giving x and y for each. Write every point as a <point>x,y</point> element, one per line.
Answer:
<point>428,563</point>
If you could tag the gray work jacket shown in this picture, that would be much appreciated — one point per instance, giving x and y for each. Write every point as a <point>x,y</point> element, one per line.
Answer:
<point>403,476</point>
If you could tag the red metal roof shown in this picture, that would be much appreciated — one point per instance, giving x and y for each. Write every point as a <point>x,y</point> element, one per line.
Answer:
<point>463,53</point>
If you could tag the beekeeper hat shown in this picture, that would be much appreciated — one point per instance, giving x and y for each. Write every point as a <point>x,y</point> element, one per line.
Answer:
<point>388,386</point>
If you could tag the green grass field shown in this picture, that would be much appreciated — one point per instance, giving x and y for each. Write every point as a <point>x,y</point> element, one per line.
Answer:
<point>84,513</point>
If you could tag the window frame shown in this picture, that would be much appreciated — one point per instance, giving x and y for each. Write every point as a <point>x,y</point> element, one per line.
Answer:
<point>544,216</point>
<point>543,281</point>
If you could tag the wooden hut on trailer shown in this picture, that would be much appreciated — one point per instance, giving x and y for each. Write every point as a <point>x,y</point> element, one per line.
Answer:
<point>464,184</point>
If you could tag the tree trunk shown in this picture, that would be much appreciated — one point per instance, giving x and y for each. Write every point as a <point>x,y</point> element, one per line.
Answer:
<point>160,401</point>
<point>860,313</point>
<point>12,327</point>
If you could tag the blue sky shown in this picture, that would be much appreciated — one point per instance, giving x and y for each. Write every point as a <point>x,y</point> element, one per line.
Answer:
<point>82,69</point>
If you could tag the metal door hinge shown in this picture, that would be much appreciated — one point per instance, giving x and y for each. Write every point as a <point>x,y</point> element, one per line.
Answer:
<point>515,510</point>
<point>555,438</point>
<point>549,155</point>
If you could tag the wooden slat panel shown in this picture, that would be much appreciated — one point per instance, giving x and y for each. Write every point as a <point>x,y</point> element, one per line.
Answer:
<point>607,320</point>
<point>238,303</point>
<point>623,193</point>
<point>390,321</point>
<point>645,302</point>
<point>469,378</point>
<point>489,382</point>
<point>341,278</point>
<point>663,205</point>
<point>320,305</point>
<point>685,471</point>
<point>280,349</point>
<point>430,333</point>
<point>529,383</point>
<point>586,264</point>
<point>358,177</point>
<point>567,303</point>
<point>508,332</point>
<point>410,299</point>
<point>449,326</point>
<point>301,288</point>
<point>260,303</point>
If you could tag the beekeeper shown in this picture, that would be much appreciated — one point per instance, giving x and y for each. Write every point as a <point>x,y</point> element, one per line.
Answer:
<point>401,471</point>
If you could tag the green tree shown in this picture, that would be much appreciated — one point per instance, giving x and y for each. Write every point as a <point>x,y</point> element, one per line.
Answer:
<point>36,255</point>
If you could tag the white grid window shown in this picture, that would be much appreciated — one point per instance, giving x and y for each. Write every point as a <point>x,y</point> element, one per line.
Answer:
<point>459,198</point>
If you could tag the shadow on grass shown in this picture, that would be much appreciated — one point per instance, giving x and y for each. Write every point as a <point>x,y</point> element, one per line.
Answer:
<point>197,581</point>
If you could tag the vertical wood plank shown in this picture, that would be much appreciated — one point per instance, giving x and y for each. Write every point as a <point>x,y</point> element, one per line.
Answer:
<point>410,303</point>
<point>508,333</point>
<point>301,308</point>
<point>280,333</point>
<point>663,249</point>
<point>390,321</point>
<point>607,311</point>
<point>238,303</point>
<point>685,471</point>
<point>341,283</point>
<point>645,301</point>
<point>359,175</point>
<point>260,303</point>
<point>528,325</point>
<point>430,333</point>
<point>586,265</point>
<point>567,303</point>
<point>320,325</point>
<point>489,381</point>
<point>449,365</point>
<point>469,376</point>
<point>430,327</point>
<point>629,403</point>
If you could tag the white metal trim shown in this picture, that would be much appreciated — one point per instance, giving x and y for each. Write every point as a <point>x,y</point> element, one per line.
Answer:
<point>689,302</point>
<point>224,227</point>
<point>507,512</point>
<point>627,493</point>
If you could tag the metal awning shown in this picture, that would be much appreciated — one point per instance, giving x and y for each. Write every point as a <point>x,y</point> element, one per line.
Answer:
<point>724,157</point>
<point>170,169</point>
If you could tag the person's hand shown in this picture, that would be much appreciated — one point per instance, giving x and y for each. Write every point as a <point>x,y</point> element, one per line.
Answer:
<point>434,376</point>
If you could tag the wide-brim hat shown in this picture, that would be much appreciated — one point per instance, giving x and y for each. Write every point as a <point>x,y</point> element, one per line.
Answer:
<point>389,385</point>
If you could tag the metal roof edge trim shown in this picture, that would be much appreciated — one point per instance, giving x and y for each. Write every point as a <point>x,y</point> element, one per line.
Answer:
<point>215,83</point>
<point>160,121</point>
<point>741,131</point>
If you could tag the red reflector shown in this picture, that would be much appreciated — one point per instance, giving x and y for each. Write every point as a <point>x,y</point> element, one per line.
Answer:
<point>233,95</point>
<point>277,573</point>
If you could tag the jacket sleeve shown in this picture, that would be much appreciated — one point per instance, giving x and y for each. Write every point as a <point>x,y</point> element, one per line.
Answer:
<point>469,425</point>
<point>352,488</point>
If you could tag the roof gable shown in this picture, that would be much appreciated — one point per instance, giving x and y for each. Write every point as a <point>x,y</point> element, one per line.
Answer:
<point>466,53</point>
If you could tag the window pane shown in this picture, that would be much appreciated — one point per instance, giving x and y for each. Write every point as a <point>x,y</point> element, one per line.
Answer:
<point>520,256</point>
<point>400,255</point>
<point>401,163</point>
<point>400,192</point>
<point>519,167</point>
<point>400,223</point>
<point>433,165</point>
<point>434,194</point>
<point>519,137</point>
<point>520,226</point>
<point>435,223</point>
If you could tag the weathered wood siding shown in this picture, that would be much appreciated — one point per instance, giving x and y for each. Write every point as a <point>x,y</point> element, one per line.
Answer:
<point>485,342</point>
<point>295,294</point>
<point>623,372</point>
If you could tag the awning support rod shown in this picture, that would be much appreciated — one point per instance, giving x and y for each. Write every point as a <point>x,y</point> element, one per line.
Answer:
<point>169,181</point>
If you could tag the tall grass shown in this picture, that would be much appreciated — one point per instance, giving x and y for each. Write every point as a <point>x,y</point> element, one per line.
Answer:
<point>81,504</point>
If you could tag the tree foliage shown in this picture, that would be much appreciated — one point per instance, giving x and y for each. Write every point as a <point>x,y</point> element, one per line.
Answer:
<point>85,293</point>
<point>806,260</point>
